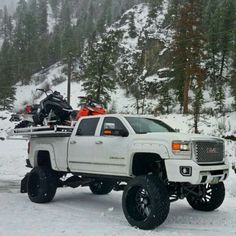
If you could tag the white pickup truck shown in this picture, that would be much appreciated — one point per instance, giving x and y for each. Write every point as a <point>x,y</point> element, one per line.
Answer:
<point>143,156</point>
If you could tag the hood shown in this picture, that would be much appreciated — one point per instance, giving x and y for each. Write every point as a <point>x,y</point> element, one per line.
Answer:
<point>169,137</point>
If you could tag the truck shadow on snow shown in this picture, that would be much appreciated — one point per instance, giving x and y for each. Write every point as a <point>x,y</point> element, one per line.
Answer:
<point>88,200</point>
<point>182,217</point>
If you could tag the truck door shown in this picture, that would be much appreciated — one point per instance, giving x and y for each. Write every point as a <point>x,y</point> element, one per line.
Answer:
<point>81,150</point>
<point>111,151</point>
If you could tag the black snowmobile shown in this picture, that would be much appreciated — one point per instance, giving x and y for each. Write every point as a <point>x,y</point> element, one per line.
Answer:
<point>53,109</point>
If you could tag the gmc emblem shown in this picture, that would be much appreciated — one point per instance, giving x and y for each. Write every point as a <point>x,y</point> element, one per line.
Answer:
<point>212,150</point>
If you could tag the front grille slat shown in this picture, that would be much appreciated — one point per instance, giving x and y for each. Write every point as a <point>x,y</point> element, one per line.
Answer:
<point>208,152</point>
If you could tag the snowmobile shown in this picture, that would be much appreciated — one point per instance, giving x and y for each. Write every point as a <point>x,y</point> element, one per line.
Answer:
<point>53,109</point>
<point>90,107</point>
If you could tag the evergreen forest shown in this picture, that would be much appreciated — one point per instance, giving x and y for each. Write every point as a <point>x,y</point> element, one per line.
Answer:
<point>187,46</point>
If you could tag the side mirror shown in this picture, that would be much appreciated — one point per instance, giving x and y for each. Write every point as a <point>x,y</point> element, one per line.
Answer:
<point>115,132</point>
<point>123,133</point>
<point>177,130</point>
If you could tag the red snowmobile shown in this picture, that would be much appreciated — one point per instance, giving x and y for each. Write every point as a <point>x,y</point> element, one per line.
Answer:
<point>90,107</point>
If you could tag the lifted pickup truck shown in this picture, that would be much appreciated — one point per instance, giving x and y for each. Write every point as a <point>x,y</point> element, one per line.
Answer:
<point>143,156</point>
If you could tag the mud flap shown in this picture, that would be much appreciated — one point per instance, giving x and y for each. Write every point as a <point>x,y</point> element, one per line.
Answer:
<point>23,185</point>
<point>234,167</point>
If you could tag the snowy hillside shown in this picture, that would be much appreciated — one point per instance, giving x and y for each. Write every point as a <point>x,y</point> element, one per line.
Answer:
<point>55,78</point>
<point>28,95</point>
<point>135,29</point>
<point>137,19</point>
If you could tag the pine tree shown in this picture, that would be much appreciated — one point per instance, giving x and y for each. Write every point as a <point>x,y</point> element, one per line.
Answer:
<point>98,68</point>
<point>65,16</point>
<point>43,37</point>
<point>212,21</point>
<point>7,27</point>
<point>32,7</point>
<point>55,47</point>
<point>7,77</point>
<point>197,105</point>
<point>220,24</point>
<point>132,28</point>
<point>165,98</point>
<point>42,18</point>
<point>108,12</point>
<point>55,7</point>
<point>188,49</point>
<point>197,71</point>
<point>227,25</point>
<point>154,6</point>
<point>180,58</point>
<point>89,26</point>
<point>136,83</point>
<point>139,90</point>
<point>7,69</point>
<point>233,72</point>
<point>68,40</point>
<point>26,40</point>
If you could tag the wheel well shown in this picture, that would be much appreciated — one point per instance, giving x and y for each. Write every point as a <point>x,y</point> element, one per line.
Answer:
<point>144,163</point>
<point>43,159</point>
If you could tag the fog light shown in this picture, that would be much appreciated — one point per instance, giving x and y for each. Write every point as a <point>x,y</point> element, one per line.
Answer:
<point>186,170</point>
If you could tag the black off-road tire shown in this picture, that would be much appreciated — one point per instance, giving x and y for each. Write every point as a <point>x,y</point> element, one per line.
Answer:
<point>210,198</point>
<point>42,184</point>
<point>146,202</point>
<point>101,187</point>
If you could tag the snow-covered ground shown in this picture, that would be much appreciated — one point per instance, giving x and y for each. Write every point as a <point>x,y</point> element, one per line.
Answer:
<point>79,212</point>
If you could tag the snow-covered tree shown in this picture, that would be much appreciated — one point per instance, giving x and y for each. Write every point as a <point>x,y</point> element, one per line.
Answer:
<point>97,68</point>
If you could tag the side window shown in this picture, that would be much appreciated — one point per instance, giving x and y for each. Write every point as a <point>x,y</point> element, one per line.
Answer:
<point>87,127</point>
<point>112,123</point>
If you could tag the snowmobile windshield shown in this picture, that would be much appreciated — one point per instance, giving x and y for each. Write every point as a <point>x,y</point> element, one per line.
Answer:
<point>93,104</point>
<point>142,125</point>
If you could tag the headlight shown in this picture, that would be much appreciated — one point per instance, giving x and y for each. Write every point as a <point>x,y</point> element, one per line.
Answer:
<point>180,146</point>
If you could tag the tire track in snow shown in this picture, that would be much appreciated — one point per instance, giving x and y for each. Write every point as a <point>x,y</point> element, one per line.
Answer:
<point>213,229</point>
<point>9,186</point>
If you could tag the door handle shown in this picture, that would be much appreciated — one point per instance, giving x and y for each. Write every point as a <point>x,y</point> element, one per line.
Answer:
<point>99,142</point>
<point>73,142</point>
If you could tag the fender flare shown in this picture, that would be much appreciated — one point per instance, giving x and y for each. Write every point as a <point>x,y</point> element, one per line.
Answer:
<point>48,148</point>
<point>152,148</point>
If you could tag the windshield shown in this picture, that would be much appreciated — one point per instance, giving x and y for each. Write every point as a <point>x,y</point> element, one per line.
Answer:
<point>143,125</point>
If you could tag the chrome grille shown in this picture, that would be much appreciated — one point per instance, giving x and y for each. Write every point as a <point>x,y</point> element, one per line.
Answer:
<point>209,152</point>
